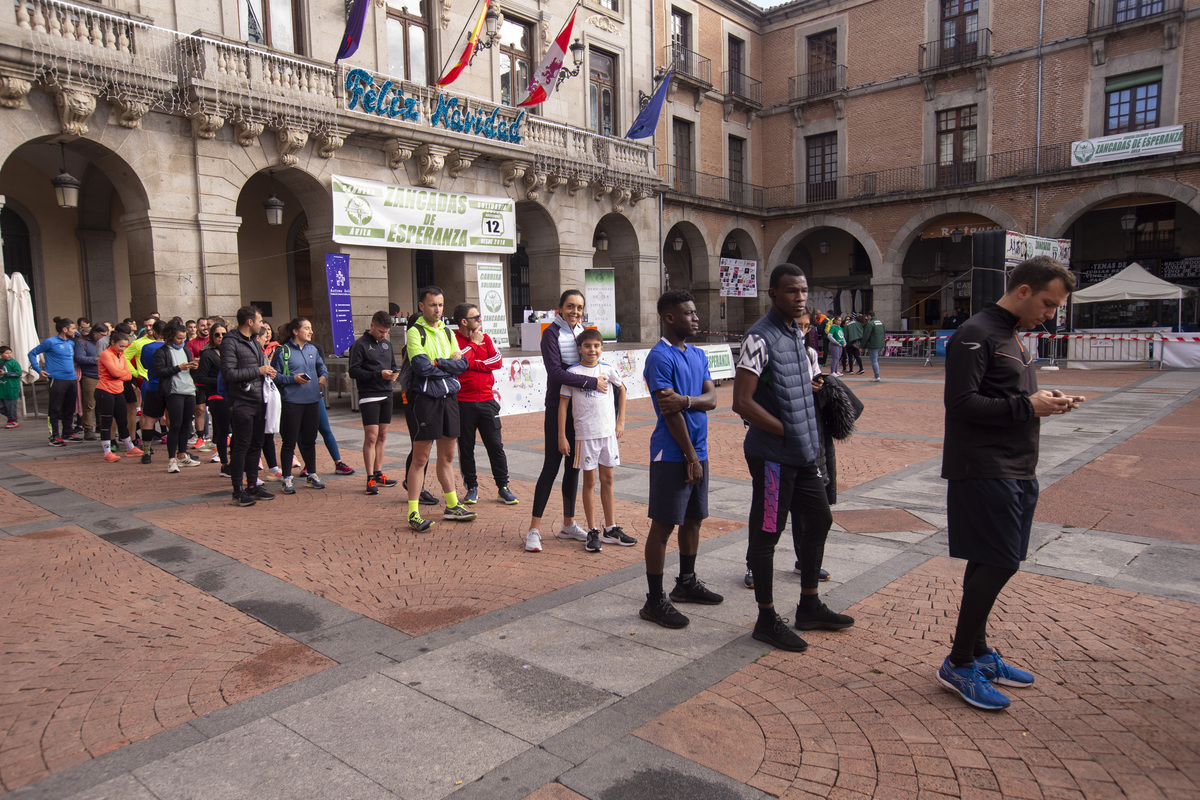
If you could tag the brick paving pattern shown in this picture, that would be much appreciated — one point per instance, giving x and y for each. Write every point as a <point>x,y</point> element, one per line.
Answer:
<point>99,649</point>
<point>1113,713</point>
<point>18,510</point>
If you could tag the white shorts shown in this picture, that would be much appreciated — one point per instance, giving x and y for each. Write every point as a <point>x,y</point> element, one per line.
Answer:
<point>590,453</point>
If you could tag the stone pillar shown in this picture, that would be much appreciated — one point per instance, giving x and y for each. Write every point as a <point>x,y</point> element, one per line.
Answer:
<point>164,269</point>
<point>886,301</point>
<point>4,333</point>
<point>222,283</point>
<point>368,281</point>
<point>545,275</point>
<point>96,250</point>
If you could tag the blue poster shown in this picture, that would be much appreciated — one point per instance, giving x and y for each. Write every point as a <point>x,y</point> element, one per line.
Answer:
<point>337,274</point>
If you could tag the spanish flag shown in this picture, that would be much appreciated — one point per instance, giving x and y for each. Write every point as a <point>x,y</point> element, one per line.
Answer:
<point>468,51</point>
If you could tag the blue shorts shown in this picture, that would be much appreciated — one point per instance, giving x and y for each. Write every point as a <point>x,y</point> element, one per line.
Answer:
<point>672,499</point>
<point>990,519</point>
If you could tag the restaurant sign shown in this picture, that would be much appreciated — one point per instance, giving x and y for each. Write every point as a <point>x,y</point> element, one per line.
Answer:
<point>1153,142</point>
<point>366,94</point>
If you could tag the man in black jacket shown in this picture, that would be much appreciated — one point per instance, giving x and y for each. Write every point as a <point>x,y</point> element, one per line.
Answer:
<point>990,456</point>
<point>373,368</point>
<point>243,366</point>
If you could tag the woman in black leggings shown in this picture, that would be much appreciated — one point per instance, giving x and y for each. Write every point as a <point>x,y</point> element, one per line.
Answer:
<point>173,366</point>
<point>113,371</point>
<point>559,352</point>
<point>207,383</point>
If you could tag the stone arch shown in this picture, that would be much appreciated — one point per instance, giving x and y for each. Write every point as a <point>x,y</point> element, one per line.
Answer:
<point>541,247</point>
<point>893,263</point>
<point>624,256</point>
<point>1076,207</point>
<point>739,313</point>
<point>785,243</point>
<point>690,264</point>
<point>745,234</point>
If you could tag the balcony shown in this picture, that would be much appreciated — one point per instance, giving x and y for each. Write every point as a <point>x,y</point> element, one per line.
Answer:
<point>815,85</point>
<point>741,88</point>
<point>955,52</point>
<point>711,187</point>
<point>690,67</point>
<point>1105,15</point>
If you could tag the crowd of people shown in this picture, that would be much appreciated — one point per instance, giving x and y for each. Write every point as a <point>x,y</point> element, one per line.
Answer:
<point>182,382</point>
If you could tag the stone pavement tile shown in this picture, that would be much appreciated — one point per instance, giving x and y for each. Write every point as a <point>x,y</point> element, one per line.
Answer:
<point>1089,554</point>
<point>263,760</point>
<point>355,551</point>
<point>127,482</point>
<point>613,664</point>
<point>407,742</point>
<point>713,731</point>
<point>508,693</point>
<point>554,791</point>
<point>880,520</point>
<point>18,511</point>
<point>125,787</point>
<point>1113,705</point>
<point>99,649</point>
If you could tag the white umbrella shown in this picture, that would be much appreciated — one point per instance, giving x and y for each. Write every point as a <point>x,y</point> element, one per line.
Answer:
<point>21,328</point>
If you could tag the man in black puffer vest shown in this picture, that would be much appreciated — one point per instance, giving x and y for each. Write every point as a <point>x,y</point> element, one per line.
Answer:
<point>773,392</point>
<point>243,367</point>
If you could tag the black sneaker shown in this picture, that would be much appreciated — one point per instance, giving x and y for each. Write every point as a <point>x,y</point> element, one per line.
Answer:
<point>823,575</point>
<point>72,438</point>
<point>243,499</point>
<point>225,472</point>
<point>748,581</point>
<point>592,545</point>
<point>384,480</point>
<point>823,618</point>
<point>779,636</point>
<point>472,496</point>
<point>372,487</point>
<point>618,537</point>
<point>57,441</point>
<point>427,499</point>
<point>695,592</point>
<point>259,493</point>
<point>662,612</point>
<point>418,523</point>
<point>146,458</point>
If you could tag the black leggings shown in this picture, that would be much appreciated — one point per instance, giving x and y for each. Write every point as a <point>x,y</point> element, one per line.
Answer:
<point>110,408</point>
<point>981,586</point>
<point>218,407</point>
<point>780,490</point>
<point>268,450</point>
<point>554,459</point>
<point>62,405</point>
<point>181,409</point>
<point>298,423</point>
<point>849,356</point>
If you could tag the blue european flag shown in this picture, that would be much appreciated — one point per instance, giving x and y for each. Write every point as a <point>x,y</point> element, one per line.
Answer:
<point>647,121</point>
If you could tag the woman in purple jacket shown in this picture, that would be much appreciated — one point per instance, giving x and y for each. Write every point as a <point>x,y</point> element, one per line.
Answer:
<point>559,352</point>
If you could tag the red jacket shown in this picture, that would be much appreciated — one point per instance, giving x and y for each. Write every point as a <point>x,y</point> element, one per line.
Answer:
<point>482,362</point>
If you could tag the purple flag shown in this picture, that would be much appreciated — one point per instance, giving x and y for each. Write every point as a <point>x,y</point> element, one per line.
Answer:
<point>354,28</point>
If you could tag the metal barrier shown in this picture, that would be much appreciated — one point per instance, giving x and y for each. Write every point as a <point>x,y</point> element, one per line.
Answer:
<point>1096,349</point>
<point>909,344</point>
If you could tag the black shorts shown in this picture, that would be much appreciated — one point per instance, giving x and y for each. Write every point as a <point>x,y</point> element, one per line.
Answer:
<point>990,519</point>
<point>672,500</point>
<point>376,412</point>
<point>153,405</point>
<point>129,392</point>
<point>437,417</point>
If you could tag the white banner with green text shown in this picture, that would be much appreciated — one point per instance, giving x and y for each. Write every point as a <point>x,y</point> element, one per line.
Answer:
<point>491,302</point>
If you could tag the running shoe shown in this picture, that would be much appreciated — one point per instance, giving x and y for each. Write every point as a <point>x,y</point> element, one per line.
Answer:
<point>996,670</point>
<point>259,493</point>
<point>384,480</point>
<point>418,523</point>
<point>111,457</point>
<point>618,537</point>
<point>274,474</point>
<point>216,459</point>
<point>372,487</point>
<point>779,635</point>
<point>288,488</point>
<point>427,498</point>
<point>342,468</point>
<point>533,541</point>
<point>57,441</point>
<point>243,499</point>
<point>205,445</point>
<point>72,438</point>
<point>573,532</point>
<point>459,513</point>
<point>173,465</point>
<point>472,496</point>
<point>225,472</point>
<point>187,461</point>
<point>193,440</point>
<point>507,497</point>
<point>969,683</point>
<point>823,575</point>
<point>12,423</point>
<point>592,545</point>
<point>662,612</point>
<point>313,481</point>
<point>822,617</point>
<point>146,458</point>
<point>748,580</point>
<point>694,591</point>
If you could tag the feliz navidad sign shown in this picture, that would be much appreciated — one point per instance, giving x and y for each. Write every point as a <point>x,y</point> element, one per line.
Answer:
<point>380,96</point>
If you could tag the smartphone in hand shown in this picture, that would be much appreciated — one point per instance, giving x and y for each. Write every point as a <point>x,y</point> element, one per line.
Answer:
<point>302,377</point>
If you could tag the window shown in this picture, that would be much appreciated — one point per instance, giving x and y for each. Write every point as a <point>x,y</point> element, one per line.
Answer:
<point>736,66</point>
<point>682,135</point>
<point>737,169</point>
<point>423,270</point>
<point>612,5</point>
<point>957,145</point>
<point>1131,101</point>
<point>407,41</point>
<point>518,285</point>
<point>1129,10</point>
<point>681,29</point>
<point>515,60</point>
<point>821,167</point>
<point>822,63</point>
<point>273,23</point>
<point>602,91</point>
<point>960,31</point>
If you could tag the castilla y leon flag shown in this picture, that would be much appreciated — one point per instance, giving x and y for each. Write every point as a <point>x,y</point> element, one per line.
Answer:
<point>468,51</point>
<point>354,28</point>
<point>545,79</point>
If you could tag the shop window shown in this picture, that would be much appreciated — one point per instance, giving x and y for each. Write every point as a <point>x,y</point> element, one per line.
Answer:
<point>821,167</point>
<point>271,23</point>
<point>408,42</point>
<point>602,92</point>
<point>516,41</point>
<point>1132,101</point>
<point>957,145</point>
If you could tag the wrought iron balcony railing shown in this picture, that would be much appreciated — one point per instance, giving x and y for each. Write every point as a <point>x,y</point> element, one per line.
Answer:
<point>713,187</point>
<point>688,63</point>
<point>741,86</point>
<point>951,52</point>
<point>816,84</point>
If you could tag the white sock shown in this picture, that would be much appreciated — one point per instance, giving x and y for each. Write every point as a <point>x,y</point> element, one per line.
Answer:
<point>105,445</point>
<point>608,528</point>
<point>128,442</point>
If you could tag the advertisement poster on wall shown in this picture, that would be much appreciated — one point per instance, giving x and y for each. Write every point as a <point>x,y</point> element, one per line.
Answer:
<point>491,301</point>
<point>601,289</point>
<point>739,278</point>
<point>341,317</point>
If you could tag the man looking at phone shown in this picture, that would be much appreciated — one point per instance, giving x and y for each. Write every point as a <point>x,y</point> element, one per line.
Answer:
<point>773,391</point>
<point>373,368</point>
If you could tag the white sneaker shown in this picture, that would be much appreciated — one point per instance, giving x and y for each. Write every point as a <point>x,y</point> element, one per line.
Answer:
<point>188,461</point>
<point>173,465</point>
<point>533,542</point>
<point>191,440</point>
<point>876,380</point>
<point>573,532</point>
<point>275,474</point>
<point>216,459</point>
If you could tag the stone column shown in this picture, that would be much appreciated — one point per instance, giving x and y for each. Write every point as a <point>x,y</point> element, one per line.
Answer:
<point>4,333</point>
<point>886,301</point>
<point>164,264</point>
<point>96,251</point>
<point>220,265</point>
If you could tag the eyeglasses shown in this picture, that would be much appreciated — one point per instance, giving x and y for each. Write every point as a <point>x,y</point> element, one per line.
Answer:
<point>805,327</point>
<point>472,319</point>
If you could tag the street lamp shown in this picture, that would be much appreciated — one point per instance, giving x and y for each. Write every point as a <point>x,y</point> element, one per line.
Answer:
<point>66,185</point>
<point>576,47</point>
<point>491,22</point>
<point>677,244</point>
<point>273,205</point>
<point>602,241</point>
<point>823,247</point>
<point>956,235</point>
<point>1128,221</point>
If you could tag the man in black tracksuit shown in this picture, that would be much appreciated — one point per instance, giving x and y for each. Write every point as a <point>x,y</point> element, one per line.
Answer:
<point>373,367</point>
<point>243,366</point>
<point>990,456</point>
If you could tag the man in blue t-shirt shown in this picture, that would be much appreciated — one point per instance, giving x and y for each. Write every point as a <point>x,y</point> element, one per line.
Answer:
<point>682,389</point>
<point>60,374</point>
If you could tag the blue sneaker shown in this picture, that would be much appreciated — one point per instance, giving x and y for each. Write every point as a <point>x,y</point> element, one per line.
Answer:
<point>996,670</point>
<point>970,684</point>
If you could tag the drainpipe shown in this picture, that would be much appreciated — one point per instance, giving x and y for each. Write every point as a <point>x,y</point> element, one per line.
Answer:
<point>1037,155</point>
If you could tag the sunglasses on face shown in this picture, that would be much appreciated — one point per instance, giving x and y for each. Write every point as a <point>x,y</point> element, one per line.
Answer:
<point>472,319</point>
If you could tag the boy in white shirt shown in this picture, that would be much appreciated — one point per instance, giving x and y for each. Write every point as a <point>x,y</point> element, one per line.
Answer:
<point>598,425</point>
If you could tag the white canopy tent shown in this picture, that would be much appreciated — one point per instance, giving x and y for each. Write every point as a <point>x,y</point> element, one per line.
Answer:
<point>1133,283</point>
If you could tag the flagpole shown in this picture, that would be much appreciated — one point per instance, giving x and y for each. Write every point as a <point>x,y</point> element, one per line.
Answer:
<point>454,51</point>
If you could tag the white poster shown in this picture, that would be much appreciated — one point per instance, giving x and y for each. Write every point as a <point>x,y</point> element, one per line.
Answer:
<point>1151,142</point>
<point>739,278</point>
<point>386,215</point>
<point>1019,246</point>
<point>600,288</point>
<point>491,301</point>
